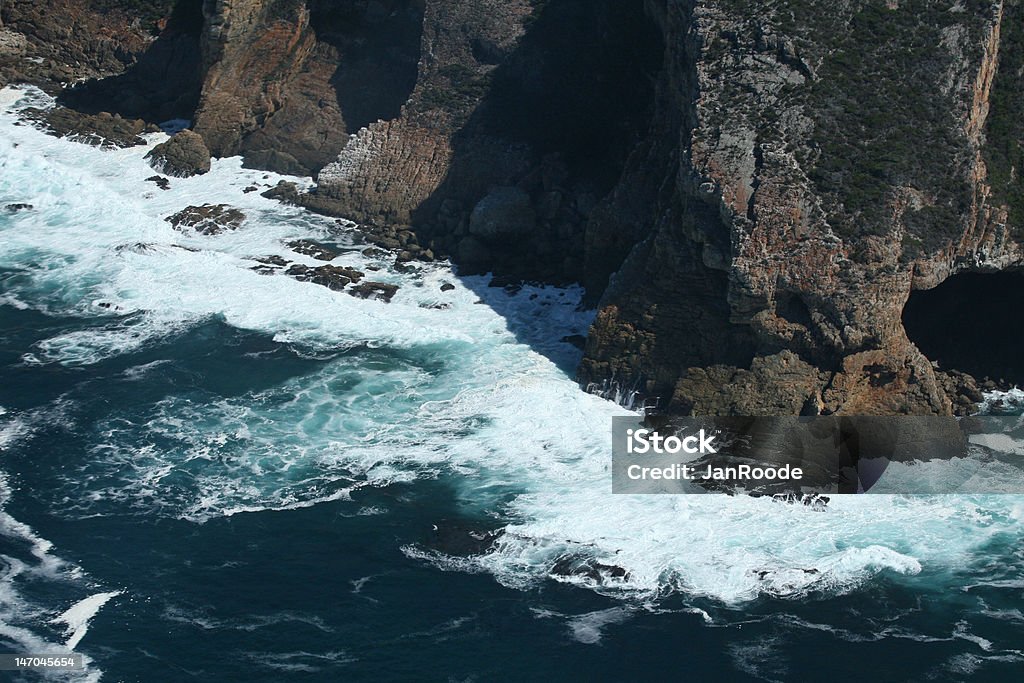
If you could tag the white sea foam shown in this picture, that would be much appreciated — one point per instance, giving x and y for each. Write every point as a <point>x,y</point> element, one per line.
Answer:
<point>77,617</point>
<point>456,389</point>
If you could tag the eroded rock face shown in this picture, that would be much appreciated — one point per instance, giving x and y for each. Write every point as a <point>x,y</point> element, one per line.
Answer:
<point>505,214</point>
<point>806,202</point>
<point>287,82</point>
<point>184,155</point>
<point>750,191</point>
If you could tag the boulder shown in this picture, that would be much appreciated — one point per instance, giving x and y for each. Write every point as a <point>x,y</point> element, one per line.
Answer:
<point>184,155</point>
<point>208,219</point>
<point>374,290</point>
<point>320,252</point>
<point>505,214</point>
<point>332,277</point>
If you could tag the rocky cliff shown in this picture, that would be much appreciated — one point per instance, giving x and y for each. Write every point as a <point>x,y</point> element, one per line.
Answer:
<point>751,192</point>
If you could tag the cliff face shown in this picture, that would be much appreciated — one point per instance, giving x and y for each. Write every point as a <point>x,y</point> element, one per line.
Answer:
<point>752,191</point>
<point>58,42</point>
<point>834,161</point>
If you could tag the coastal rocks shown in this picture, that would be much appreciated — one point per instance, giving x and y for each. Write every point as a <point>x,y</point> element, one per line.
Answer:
<point>105,130</point>
<point>332,277</point>
<point>183,156</point>
<point>18,206</point>
<point>380,291</point>
<point>455,537</point>
<point>505,214</point>
<point>270,265</point>
<point>160,181</point>
<point>320,252</point>
<point>208,219</point>
<point>12,43</point>
<point>285,192</point>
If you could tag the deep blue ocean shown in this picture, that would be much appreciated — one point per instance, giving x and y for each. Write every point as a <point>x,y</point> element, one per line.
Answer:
<point>212,474</point>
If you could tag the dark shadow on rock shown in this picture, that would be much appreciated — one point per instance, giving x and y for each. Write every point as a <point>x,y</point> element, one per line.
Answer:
<point>163,84</point>
<point>971,323</point>
<point>379,47</point>
<point>558,119</point>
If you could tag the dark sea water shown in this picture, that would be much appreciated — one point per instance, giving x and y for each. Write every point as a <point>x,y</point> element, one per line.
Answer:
<point>215,475</point>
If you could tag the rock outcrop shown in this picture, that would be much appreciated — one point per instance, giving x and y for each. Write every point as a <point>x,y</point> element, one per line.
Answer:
<point>183,156</point>
<point>208,219</point>
<point>750,191</point>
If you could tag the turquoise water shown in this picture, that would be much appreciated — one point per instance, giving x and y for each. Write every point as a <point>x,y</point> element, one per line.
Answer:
<point>211,474</point>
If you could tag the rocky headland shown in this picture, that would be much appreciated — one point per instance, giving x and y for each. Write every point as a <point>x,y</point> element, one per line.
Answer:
<point>762,199</point>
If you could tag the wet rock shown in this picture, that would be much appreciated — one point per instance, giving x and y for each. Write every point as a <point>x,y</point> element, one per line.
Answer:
<point>285,192</point>
<point>504,214</point>
<point>105,130</point>
<point>332,277</point>
<point>453,537</point>
<point>447,287</point>
<point>251,188</point>
<point>381,291</point>
<point>374,252</point>
<point>208,219</point>
<point>14,208</point>
<point>320,252</point>
<point>270,265</point>
<point>183,156</point>
<point>275,160</point>
<point>161,182</point>
<point>588,568</point>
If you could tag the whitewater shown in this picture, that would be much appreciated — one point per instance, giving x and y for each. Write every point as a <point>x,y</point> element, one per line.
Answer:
<point>470,385</point>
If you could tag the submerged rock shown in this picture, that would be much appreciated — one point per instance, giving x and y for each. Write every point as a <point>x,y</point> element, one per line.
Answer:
<point>331,277</point>
<point>208,219</point>
<point>183,156</point>
<point>14,208</point>
<point>270,265</point>
<point>458,538</point>
<point>320,252</point>
<point>161,182</point>
<point>374,290</point>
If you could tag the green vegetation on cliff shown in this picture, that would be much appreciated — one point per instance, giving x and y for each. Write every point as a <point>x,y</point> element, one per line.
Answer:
<point>884,121</point>
<point>1004,131</point>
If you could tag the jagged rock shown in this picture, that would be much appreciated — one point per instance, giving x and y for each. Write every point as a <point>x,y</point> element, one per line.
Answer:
<point>106,130</point>
<point>587,567</point>
<point>14,208</point>
<point>453,537</point>
<point>504,214</point>
<point>285,191</point>
<point>374,290</point>
<point>270,265</point>
<point>184,155</point>
<point>208,219</point>
<point>275,160</point>
<point>12,43</point>
<point>320,252</point>
<point>161,182</point>
<point>332,277</point>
